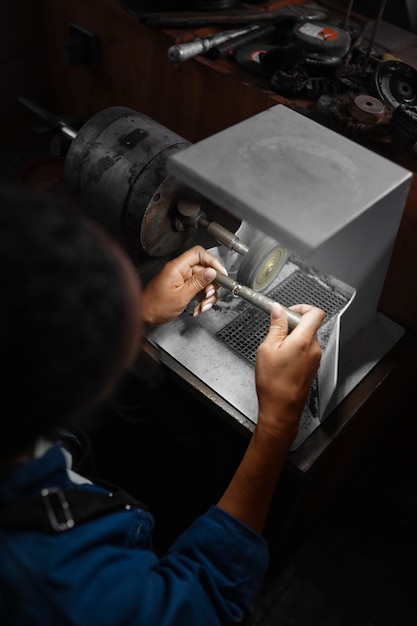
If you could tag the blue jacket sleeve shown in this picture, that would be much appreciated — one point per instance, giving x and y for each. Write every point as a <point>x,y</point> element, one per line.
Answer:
<point>104,573</point>
<point>229,558</point>
<point>209,577</point>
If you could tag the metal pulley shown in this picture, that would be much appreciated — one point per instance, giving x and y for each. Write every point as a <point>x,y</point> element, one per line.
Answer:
<point>367,109</point>
<point>115,163</point>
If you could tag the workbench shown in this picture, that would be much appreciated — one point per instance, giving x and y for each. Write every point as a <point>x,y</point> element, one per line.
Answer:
<point>197,99</point>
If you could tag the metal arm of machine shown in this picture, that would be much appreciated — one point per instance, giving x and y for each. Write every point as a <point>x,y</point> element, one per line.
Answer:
<point>54,122</point>
<point>192,216</point>
<point>262,260</point>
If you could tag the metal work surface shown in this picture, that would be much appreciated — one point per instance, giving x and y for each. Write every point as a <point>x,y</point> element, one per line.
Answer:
<point>245,333</point>
<point>203,345</point>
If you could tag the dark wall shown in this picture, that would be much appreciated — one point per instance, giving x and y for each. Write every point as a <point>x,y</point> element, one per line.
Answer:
<point>402,13</point>
<point>23,67</point>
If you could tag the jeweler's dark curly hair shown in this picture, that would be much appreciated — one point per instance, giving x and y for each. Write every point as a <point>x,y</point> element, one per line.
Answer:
<point>63,312</point>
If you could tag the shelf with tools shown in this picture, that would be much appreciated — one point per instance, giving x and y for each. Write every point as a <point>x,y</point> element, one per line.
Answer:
<point>195,99</point>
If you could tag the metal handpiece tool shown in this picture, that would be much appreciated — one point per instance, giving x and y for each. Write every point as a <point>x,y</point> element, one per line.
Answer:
<point>201,45</point>
<point>257,299</point>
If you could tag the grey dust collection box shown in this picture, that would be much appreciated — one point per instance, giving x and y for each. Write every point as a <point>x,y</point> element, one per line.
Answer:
<point>335,205</point>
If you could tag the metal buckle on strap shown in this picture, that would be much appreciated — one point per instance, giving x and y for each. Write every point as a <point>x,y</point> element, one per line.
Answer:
<point>57,509</point>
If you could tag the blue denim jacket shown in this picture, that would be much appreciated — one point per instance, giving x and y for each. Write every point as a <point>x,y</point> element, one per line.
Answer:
<point>104,572</point>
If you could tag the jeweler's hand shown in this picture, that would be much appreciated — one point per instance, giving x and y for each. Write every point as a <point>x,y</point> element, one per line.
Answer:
<point>285,368</point>
<point>190,275</point>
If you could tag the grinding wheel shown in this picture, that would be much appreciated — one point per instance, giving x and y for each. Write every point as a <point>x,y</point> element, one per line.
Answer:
<point>323,38</point>
<point>261,264</point>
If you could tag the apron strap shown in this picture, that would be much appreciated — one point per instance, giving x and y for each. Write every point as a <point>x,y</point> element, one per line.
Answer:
<point>56,510</point>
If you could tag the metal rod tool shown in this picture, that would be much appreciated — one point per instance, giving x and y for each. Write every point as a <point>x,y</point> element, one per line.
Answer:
<point>348,13</point>
<point>54,122</point>
<point>257,299</point>
<point>374,33</point>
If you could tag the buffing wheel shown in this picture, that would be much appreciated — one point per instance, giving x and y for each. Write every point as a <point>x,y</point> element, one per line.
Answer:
<point>261,264</point>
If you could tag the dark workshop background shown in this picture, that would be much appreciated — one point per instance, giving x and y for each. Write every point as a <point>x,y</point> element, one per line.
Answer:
<point>22,56</point>
<point>23,48</point>
<point>356,565</point>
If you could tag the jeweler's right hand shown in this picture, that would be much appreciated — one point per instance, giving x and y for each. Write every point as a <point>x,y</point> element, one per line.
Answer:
<point>285,368</point>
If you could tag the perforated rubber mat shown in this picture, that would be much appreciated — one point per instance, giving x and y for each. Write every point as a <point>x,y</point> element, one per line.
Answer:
<point>248,330</point>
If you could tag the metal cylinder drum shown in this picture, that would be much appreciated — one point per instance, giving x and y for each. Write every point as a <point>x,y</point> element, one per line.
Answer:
<point>114,165</point>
